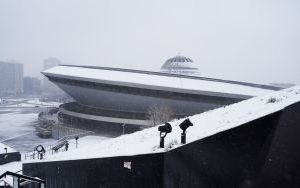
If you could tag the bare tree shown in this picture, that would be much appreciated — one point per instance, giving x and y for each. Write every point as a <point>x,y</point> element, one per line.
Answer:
<point>159,114</point>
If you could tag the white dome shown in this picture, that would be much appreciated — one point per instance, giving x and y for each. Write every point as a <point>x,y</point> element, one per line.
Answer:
<point>180,65</point>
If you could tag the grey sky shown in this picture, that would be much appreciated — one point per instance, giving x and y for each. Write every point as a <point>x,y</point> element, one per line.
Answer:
<point>249,40</point>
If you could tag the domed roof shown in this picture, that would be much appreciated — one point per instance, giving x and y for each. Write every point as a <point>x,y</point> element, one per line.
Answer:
<point>180,65</point>
<point>179,58</point>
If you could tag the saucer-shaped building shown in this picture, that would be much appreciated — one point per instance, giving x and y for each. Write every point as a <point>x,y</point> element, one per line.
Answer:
<point>113,96</point>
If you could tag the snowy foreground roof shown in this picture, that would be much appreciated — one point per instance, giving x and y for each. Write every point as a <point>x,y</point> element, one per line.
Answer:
<point>205,124</point>
<point>154,80</point>
<point>9,149</point>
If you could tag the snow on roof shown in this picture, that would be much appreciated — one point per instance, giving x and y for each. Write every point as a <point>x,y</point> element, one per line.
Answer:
<point>12,167</point>
<point>9,149</point>
<point>139,79</point>
<point>205,124</point>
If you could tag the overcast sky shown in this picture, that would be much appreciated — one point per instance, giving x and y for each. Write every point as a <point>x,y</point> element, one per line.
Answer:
<point>255,40</point>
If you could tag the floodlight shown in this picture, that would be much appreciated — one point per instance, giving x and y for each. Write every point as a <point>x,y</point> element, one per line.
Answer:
<point>164,130</point>
<point>184,125</point>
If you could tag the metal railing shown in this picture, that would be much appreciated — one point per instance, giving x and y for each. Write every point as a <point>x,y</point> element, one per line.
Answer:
<point>56,148</point>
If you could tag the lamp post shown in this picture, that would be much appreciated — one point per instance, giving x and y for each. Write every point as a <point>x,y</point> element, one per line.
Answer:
<point>164,130</point>
<point>76,139</point>
<point>123,128</point>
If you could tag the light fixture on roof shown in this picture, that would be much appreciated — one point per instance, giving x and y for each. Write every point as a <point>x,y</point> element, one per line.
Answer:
<point>164,130</point>
<point>184,125</point>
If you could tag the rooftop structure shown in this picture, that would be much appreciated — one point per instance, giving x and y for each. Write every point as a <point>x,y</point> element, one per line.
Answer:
<point>180,65</point>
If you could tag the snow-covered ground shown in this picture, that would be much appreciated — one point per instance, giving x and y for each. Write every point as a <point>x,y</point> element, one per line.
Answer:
<point>18,116</point>
<point>27,102</point>
<point>12,167</point>
<point>17,130</point>
<point>205,124</point>
<point>9,149</point>
<point>17,166</point>
<point>14,123</point>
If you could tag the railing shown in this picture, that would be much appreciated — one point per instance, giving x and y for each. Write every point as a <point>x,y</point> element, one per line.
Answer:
<point>58,147</point>
<point>67,137</point>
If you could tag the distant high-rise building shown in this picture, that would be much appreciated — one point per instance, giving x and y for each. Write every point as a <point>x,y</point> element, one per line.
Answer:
<point>49,87</point>
<point>32,86</point>
<point>11,78</point>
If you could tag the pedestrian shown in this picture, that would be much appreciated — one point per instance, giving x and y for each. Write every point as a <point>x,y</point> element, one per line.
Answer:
<point>67,146</point>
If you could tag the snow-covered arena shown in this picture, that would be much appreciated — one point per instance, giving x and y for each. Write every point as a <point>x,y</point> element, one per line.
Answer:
<point>114,96</point>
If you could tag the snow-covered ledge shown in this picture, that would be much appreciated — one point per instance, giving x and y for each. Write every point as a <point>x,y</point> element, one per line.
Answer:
<point>8,149</point>
<point>205,124</point>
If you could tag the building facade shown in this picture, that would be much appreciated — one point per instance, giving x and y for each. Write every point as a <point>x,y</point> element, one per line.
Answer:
<point>11,78</point>
<point>32,86</point>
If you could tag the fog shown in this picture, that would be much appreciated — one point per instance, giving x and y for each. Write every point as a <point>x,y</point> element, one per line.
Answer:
<point>252,40</point>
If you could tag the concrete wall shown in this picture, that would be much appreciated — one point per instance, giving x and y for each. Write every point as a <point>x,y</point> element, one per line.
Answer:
<point>239,157</point>
<point>227,159</point>
<point>109,172</point>
<point>282,169</point>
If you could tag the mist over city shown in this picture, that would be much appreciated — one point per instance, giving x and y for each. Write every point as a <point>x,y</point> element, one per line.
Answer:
<point>161,93</point>
<point>226,39</point>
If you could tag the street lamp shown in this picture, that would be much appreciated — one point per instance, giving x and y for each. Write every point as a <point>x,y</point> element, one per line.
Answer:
<point>123,126</point>
<point>184,125</point>
<point>76,139</point>
<point>164,130</point>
